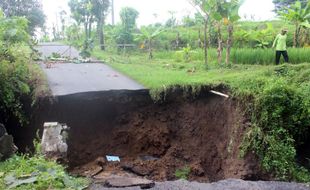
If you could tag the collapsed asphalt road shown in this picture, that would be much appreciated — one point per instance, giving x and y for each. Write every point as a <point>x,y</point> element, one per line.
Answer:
<point>93,113</point>
<point>71,78</point>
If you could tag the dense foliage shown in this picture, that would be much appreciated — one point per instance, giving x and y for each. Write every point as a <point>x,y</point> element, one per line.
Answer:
<point>30,9</point>
<point>216,25</point>
<point>124,35</point>
<point>14,72</point>
<point>281,120</point>
<point>21,81</point>
<point>282,4</point>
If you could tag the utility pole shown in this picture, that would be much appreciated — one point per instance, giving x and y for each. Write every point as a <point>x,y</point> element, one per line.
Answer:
<point>113,16</point>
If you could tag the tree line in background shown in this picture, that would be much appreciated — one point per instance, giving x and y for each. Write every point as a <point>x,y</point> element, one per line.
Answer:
<point>216,24</point>
<point>30,9</point>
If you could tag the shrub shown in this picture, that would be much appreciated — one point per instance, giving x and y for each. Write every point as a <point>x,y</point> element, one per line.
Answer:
<point>281,120</point>
<point>42,174</point>
<point>182,173</point>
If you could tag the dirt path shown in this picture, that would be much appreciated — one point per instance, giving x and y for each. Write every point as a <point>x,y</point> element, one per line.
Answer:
<point>70,78</point>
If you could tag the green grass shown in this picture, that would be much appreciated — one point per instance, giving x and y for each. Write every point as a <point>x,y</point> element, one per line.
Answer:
<point>160,73</point>
<point>246,56</point>
<point>276,98</point>
<point>182,173</point>
<point>47,174</point>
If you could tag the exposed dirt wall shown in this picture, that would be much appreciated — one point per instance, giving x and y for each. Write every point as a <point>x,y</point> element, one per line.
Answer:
<point>152,139</point>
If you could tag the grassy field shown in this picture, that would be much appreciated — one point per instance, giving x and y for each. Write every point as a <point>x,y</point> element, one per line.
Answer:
<point>165,71</point>
<point>277,98</point>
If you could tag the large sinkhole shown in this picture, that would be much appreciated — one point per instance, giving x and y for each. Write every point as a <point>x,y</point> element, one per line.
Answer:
<point>153,139</point>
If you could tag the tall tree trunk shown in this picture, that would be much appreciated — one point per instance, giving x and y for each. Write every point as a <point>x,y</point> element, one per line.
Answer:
<point>220,44</point>
<point>307,36</point>
<point>295,36</point>
<point>86,30</point>
<point>206,40</point>
<point>90,28</point>
<point>298,37</point>
<point>113,16</point>
<point>150,49</point>
<point>210,36</point>
<point>101,34</point>
<point>229,42</point>
<point>199,38</point>
<point>178,40</point>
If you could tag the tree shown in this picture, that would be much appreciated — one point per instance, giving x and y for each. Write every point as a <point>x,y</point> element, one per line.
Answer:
<point>188,21</point>
<point>231,15</point>
<point>62,15</point>
<point>148,38</point>
<point>82,13</point>
<point>283,4</point>
<point>100,9</point>
<point>204,7</point>
<point>128,18</point>
<point>30,9</point>
<point>299,16</point>
<point>13,30</point>
<point>218,15</point>
<point>112,12</point>
<point>172,21</point>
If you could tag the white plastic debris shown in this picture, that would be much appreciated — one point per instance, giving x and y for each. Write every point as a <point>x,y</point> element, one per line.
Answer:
<point>113,159</point>
<point>219,93</point>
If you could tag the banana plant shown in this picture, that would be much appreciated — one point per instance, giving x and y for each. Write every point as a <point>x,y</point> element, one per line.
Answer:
<point>148,37</point>
<point>231,16</point>
<point>263,37</point>
<point>300,17</point>
<point>204,8</point>
<point>218,18</point>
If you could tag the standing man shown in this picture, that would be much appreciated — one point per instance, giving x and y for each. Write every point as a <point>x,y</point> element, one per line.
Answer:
<point>280,45</point>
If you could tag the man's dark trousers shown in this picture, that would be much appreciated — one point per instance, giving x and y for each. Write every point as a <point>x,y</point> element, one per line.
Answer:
<point>278,56</point>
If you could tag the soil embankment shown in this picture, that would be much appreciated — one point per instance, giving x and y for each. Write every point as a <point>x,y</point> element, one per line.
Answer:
<point>154,139</point>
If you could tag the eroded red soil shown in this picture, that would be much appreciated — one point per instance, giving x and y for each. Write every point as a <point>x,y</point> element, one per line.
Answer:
<point>155,140</point>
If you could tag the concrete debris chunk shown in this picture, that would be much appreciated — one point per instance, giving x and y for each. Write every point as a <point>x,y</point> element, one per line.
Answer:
<point>120,182</point>
<point>54,140</point>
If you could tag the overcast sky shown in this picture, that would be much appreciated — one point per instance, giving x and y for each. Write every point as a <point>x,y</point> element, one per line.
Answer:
<point>260,9</point>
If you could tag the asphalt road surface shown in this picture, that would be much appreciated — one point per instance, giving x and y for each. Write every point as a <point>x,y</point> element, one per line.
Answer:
<point>229,184</point>
<point>71,78</point>
<point>53,47</point>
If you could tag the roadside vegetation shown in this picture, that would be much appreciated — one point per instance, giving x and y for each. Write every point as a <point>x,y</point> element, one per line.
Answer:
<point>34,172</point>
<point>21,83</point>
